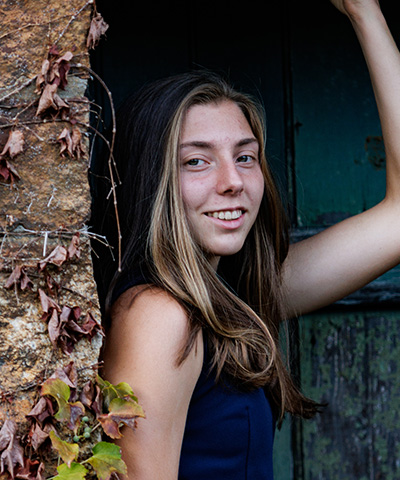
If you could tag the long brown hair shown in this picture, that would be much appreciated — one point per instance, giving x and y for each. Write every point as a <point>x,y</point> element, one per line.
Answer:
<point>241,314</point>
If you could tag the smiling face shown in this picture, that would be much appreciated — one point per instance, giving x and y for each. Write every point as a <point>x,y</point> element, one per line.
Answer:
<point>222,183</point>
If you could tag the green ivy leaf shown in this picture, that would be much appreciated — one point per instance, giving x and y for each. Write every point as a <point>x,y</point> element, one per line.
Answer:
<point>107,459</point>
<point>75,472</point>
<point>61,392</point>
<point>110,391</point>
<point>67,412</point>
<point>67,451</point>
<point>121,411</point>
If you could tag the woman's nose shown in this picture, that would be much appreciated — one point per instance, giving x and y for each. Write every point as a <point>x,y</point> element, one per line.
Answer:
<point>229,179</point>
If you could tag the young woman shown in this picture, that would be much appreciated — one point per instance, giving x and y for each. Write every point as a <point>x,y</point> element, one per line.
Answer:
<point>207,275</point>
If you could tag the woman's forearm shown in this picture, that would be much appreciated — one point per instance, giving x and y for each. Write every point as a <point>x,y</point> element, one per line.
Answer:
<point>383,61</point>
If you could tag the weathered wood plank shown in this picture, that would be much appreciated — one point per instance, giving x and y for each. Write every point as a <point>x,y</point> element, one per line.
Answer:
<point>352,362</point>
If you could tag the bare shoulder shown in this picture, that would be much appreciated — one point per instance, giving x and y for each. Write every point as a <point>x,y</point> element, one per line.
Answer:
<point>147,322</point>
<point>149,308</point>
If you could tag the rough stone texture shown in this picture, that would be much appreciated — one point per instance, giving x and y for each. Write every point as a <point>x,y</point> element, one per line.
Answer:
<point>48,204</point>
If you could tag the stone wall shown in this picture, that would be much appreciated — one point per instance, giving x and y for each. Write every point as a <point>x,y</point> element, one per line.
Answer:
<point>45,257</point>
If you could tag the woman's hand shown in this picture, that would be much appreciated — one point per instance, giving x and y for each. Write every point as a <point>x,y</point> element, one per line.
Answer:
<point>355,8</point>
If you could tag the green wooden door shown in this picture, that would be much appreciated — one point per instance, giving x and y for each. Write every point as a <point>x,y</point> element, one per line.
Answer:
<point>349,353</point>
<point>324,145</point>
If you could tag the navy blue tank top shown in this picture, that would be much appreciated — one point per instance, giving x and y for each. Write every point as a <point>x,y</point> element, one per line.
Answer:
<point>229,433</point>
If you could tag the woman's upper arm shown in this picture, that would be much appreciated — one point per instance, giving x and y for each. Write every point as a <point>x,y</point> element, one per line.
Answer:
<point>141,349</point>
<point>334,263</point>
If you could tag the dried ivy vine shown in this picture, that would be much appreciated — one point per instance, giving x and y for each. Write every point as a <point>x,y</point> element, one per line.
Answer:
<point>65,419</point>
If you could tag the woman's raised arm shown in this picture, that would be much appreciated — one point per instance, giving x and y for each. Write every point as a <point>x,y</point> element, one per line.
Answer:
<point>345,257</point>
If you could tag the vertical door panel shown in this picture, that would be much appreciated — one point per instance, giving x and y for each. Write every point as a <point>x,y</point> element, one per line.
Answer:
<point>340,161</point>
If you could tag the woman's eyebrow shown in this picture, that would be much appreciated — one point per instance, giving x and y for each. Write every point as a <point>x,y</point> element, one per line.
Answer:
<point>247,141</point>
<point>197,143</point>
<point>210,145</point>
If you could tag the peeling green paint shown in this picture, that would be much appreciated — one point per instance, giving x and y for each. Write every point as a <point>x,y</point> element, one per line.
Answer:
<point>352,361</point>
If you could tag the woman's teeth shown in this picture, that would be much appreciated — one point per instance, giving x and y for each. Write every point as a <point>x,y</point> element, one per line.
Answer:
<point>226,215</point>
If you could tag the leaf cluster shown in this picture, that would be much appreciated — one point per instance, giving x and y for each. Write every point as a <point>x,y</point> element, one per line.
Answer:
<point>64,421</point>
<point>53,76</point>
<point>59,256</point>
<point>66,324</point>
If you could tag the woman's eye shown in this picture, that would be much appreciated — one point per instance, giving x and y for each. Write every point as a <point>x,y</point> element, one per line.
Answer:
<point>194,162</point>
<point>245,158</point>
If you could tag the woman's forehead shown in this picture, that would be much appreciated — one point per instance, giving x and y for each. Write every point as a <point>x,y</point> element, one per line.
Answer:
<point>203,122</point>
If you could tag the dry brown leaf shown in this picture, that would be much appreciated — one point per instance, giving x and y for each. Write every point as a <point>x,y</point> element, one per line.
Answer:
<point>61,105</point>
<point>32,470</point>
<point>14,277</point>
<point>37,436</point>
<point>90,327</point>
<point>8,171</point>
<point>54,328</point>
<point>71,142</point>
<point>65,331</point>
<point>15,144</point>
<point>77,144</point>
<point>51,283</point>
<point>19,276</point>
<point>25,281</point>
<point>12,454</point>
<point>41,78</point>
<point>47,303</point>
<point>59,70</point>
<point>66,142</point>
<point>74,247</point>
<point>57,257</point>
<point>98,27</point>
<point>46,100</point>
<point>68,374</point>
<point>42,411</point>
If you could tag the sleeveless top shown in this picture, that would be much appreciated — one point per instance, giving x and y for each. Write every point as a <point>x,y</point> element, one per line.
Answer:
<point>229,433</point>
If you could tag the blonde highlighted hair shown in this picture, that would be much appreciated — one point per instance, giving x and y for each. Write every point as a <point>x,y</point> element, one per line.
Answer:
<point>240,315</point>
